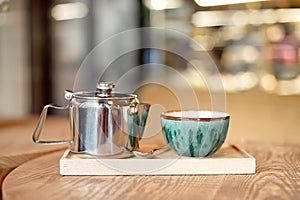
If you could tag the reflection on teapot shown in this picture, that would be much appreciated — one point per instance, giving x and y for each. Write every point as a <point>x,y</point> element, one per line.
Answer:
<point>102,122</point>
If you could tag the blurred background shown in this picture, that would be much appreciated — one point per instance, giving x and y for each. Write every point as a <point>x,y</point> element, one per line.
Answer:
<point>255,45</point>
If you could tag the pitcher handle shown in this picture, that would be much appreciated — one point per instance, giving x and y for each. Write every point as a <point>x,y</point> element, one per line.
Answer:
<point>37,132</point>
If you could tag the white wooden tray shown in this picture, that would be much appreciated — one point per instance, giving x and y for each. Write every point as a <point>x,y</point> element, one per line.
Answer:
<point>228,160</point>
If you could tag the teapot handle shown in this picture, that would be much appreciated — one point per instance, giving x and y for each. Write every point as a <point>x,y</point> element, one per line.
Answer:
<point>39,126</point>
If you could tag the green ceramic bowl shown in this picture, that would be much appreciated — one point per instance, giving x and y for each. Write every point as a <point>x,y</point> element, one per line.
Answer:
<point>195,133</point>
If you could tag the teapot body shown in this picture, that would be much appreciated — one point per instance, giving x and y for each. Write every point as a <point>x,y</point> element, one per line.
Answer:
<point>103,125</point>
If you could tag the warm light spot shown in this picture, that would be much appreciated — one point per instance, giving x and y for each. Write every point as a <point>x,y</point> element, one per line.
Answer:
<point>275,33</point>
<point>69,11</point>
<point>250,54</point>
<point>222,2</point>
<point>238,17</point>
<point>268,82</point>
<point>211,18</point>
<point>254,17</point>
<point>249,80</point>
<point>268,16</point>
<point>163,4</point>
<point>158,4</point>
<point>288,15</point>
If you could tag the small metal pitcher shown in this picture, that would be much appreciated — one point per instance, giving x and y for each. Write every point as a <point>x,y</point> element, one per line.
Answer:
<point>102,122</point>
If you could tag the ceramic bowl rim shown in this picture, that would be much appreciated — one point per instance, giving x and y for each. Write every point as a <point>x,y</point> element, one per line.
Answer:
<point>223,117</point>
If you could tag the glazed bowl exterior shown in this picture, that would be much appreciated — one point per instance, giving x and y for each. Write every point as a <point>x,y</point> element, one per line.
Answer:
<point>195,133</point>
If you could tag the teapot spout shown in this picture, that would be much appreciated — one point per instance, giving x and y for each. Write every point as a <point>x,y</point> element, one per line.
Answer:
<point>144,116</point>
<point>136,124</point>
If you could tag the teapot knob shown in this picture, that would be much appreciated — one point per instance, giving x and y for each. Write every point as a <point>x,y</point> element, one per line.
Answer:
<point>104,89</point>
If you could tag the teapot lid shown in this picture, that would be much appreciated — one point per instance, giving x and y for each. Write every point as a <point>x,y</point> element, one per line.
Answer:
<point>103,92</point>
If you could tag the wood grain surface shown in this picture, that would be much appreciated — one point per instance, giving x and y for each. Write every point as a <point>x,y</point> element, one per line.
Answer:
<point>16,142</point>
<point>267,126</point>
<point>277,177</point>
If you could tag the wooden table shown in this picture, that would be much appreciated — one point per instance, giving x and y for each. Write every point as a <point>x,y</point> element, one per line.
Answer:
<point>277,177</point>
<point>16,142</point>
<point>266,126</point>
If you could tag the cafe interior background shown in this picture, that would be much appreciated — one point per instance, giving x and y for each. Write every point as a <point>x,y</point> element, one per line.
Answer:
<point>255,46</point>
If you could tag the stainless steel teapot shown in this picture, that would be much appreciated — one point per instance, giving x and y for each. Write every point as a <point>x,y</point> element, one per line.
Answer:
<point>102,122</point>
